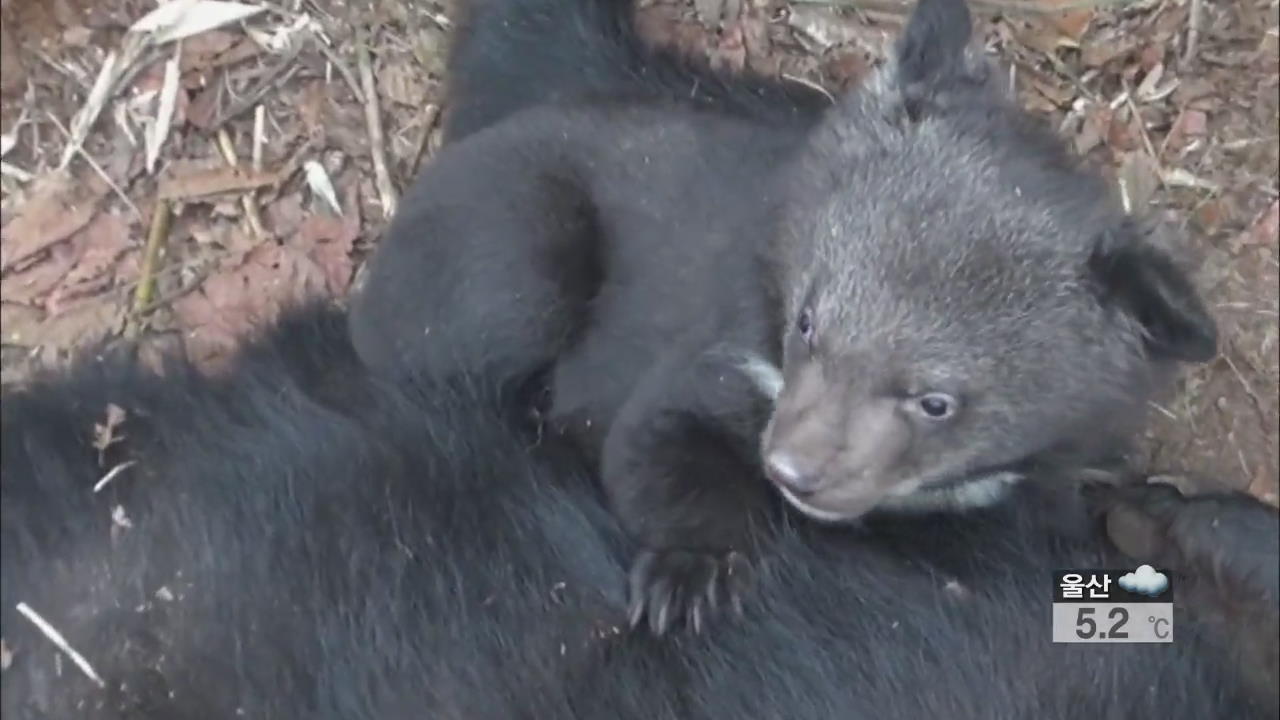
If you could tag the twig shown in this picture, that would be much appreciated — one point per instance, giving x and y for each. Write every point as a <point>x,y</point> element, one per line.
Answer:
<point>56,638</point>
<point>1142,127</point>
<point>373,118</point>
<point>430,117</point>
<point>111,475</point>
<point>104,86</point>
<point>94,164</point>
<point>275,77</point>
<point>151,256</point>
<point>247,201</point>
<point>811,85</point>
<point>259,137</point>
<point>15,172</point>
<point>343,70</point>
<point>1193,32</point>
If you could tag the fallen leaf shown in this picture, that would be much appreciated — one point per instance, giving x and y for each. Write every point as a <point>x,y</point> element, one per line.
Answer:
<point>847,69</point>
<point>1265,231</point>
<point>105,433</point>
<point>159,130</point>
<point>104,241</point>
<point>1072,23</point>
<point>285,215</point>
<point>329,240</point>
<point>235,300</point>
<point>199,51</point>
<point>84,323</point>
<point>821,28</point>
<point>31,284</point>
<point>1180,177</point>
<point>180,19</point>
<point>57,207</point>
<point>1059,94</point>
<point>1190,124</point>
<point>311,104</point>
<point>203,108</point>
<point>19,323</point>
<point>321,185</point>
<point>731,52</point>
<point>401,83</point>
<point>1138,177</point>
<point>1102,50</point>
<point>709,11</point>
<point>1120,136</point>
<point>13,73</point>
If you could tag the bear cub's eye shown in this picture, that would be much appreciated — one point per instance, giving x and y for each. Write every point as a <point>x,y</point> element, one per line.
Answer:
<point>937,406</point>
<point>805,325</point>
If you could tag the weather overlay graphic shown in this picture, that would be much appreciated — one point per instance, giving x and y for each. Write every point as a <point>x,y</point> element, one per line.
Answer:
<point>1113,606</point>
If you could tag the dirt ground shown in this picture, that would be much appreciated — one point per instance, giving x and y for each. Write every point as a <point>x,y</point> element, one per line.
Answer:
<point>236,169</point>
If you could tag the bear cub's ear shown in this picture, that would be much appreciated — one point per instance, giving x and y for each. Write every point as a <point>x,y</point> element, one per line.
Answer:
<point>1145,282</point>
<point>934,41</point>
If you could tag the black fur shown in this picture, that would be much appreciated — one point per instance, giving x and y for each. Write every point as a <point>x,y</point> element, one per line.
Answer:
<point>304,541</point>
<point>502,62</point>
<point>644,235</point>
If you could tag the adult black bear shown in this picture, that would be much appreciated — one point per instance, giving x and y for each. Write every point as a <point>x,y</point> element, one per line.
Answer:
<point>299,540</point>
<point>905,301</point>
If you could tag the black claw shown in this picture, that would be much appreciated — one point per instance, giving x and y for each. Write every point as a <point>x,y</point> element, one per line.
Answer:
<point>682,587</point>
<point>635,613</point>
<point>712,591</point>
<point>660,606</point>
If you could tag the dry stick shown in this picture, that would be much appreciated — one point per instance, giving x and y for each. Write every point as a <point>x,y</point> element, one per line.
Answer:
<point>94,164</point>
<point>274,77</point>
<point>151,256</point>
<point>56,638</point>
<point>1193,31</point>
<point>247,201</point>
<point>343,70</point>
<point>430,117</point>
<point>373,118</point>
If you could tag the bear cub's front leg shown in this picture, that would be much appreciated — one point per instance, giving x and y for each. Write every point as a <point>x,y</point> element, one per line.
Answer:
<point>680,468</point>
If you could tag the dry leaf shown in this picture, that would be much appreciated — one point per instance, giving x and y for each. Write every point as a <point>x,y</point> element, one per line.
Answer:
<point>1266,231</point>
<point>731,52</point>
<point>709,12</point>
<point>83,323</point>
<point>821,28</point>
<point>179,19</point>
<point>199,52</point>
<point>19,323</point>
<point>233,301</point>
<point>105,433</point>
<point>1190,124</point>
<point>1138,177</point>
<point>329,240</point>
<point>401,83</point>
<point>1071,23</point>
<point>321,185</point>
<point>104,241</point>
<point>32,283</point>
<point>57,207</point>
<point>159,130</point>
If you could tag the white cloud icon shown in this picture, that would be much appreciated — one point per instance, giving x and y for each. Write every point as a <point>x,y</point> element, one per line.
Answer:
<point>1145,580</point>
